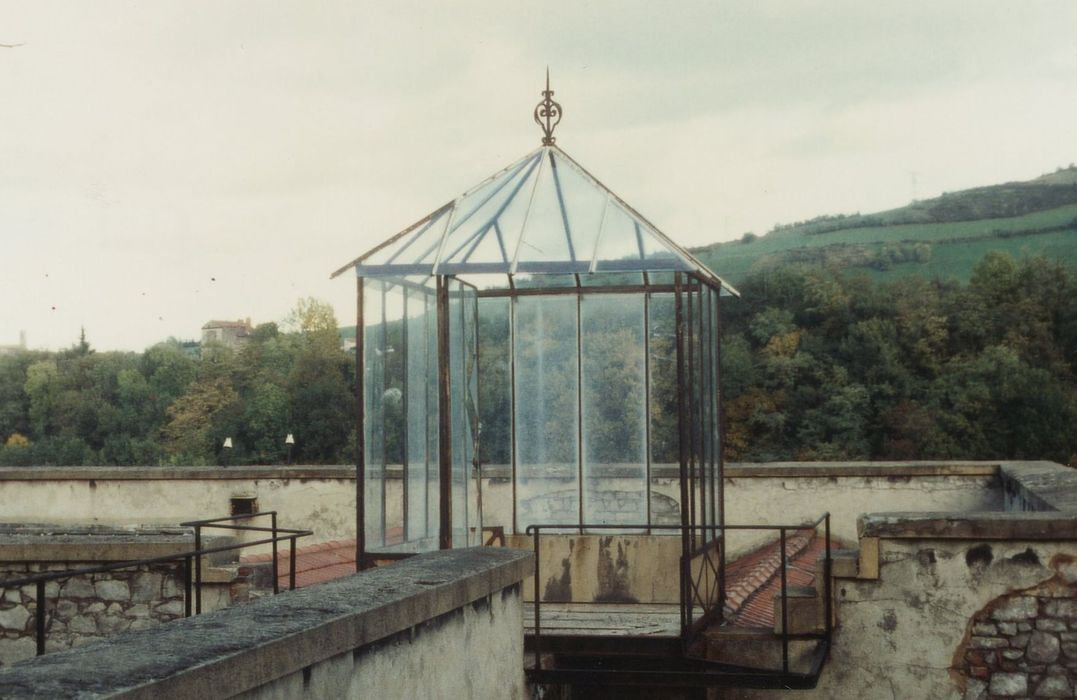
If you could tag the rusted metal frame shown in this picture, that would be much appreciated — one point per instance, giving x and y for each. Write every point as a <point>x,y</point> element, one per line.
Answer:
<point>444,418</point>
<point>689,390</point>
<point>405,363</point>
<point>276,586</point>
<point>512,416</point>
<point>579,407</point>
<point>291,563</point>
<point>785,606</point>
<point>647,400</point>
<point>828,583</point>
<point>682,429</point>
<point>426,408</point>
<point>198,570</point>
<point>360,422</point>
<point>476,423</point>
<point>40,605</point>
<point>537,634</point>
<point>188,585</point>
<point>465,390</point>
<point>719,453</point>
<point>563,291</point>
<point>384,427</point>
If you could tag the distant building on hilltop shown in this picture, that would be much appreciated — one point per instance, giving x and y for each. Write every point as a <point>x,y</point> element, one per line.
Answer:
<point>232,334</point>
<point>15,349</point>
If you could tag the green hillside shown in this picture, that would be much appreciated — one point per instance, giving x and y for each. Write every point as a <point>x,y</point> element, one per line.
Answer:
<point>937,238</point>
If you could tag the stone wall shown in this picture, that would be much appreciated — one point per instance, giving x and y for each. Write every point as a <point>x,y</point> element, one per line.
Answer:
<point>444,624</point>
<point>84,608</point>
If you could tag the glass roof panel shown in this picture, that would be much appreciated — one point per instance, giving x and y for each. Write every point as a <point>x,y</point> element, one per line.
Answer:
<point>543,215</point>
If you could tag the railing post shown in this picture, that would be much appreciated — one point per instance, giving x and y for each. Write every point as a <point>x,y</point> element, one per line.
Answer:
<point>40,615</point>
<point>538,650</point>
<point>276,585</point>
<point>197,569</point>
<point>828,586</point>
<point>187,600</point>
<point>291,563</point>
<point>785,608</point>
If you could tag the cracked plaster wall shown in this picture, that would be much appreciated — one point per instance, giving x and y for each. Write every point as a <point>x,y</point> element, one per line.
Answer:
<point>906,634</point>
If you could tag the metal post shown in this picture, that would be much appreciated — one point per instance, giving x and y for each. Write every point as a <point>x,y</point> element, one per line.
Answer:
<point>537,635</point>
<point>647,401</point>
<point>405,475</point>
<point>276,585</point>
<point>682,422</point>
<point>39,613</point>
<point>785,609</point>
<point>197,569</point>
<point>291,563</point>
<point>187,601</point>
<point>444,418</point>
<point>360,436</point>
<point>828,585</point>
<point>579,410</point>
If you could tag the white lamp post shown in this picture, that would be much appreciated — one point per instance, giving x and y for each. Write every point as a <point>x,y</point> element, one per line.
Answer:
<point>289,441</point>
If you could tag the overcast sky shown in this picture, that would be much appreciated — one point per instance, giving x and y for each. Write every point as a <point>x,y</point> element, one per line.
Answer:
<point>167,163</point>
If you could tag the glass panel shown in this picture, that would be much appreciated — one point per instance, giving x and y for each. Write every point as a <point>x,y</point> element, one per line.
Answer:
<point>495,406</point>
<point>662,346</point>
<point>612,279</point>
<point>373,413</point>
<point>547,237</point>
<point>619,245</point>
<point>391,353</point>
<point>472,469</point>
<point>584,204</point>
<point>411,246</point>
<point>463,389</point>
<point>546,409</point>
<point>614,410</point>
<point>422,416</point>
<point>526,281</point>
<point>506,209</point>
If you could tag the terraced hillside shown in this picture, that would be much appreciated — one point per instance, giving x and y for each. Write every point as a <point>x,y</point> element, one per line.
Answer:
<point>937,238</point>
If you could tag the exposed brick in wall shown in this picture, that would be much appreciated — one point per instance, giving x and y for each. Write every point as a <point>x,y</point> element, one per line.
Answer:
<point>84,608</point>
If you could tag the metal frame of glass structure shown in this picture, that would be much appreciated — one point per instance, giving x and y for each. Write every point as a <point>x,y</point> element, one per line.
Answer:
<point>611,349</point>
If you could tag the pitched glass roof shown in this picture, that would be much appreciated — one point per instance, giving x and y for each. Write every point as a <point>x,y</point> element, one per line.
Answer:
<point>544,214</point>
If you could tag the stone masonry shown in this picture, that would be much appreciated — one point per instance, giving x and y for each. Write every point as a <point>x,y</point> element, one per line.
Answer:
<point>85,608</point>
<point>1023,645</point>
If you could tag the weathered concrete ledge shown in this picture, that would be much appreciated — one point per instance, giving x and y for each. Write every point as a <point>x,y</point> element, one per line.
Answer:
<point>777,470</point>
<point>240,648</point>
<point>247,473</point>
<point>1040,485</point>
<point>1044,526</point>
<point>45,543</point>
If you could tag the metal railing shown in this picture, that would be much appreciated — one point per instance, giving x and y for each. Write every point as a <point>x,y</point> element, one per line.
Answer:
<point>706,588</point>
<point>192,566</point>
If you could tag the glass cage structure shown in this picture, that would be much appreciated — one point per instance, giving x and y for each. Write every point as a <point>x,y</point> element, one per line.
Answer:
<point>534,340</point>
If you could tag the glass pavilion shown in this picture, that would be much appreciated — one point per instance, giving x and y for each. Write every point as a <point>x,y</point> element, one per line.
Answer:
<point>590,336</point>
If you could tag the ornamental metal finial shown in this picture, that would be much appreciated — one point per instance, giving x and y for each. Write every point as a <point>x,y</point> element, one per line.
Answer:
<point>548,113</point>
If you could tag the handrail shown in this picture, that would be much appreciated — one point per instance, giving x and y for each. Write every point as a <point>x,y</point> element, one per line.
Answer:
<point>196,554</point>
<point>689,591</point>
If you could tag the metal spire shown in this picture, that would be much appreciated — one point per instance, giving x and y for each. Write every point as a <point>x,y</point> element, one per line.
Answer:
<point>547,113</point>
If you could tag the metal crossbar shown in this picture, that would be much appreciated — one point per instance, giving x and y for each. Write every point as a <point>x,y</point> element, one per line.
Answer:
<point>195,555</point>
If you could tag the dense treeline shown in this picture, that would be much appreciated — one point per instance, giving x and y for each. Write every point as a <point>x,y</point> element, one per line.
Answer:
<point>816,365</point>
<point>165,406</point>
<point>821,366</point>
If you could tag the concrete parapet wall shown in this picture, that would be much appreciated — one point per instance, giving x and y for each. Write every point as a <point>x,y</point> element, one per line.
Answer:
<point>444,624</point>
<point>317,498</point>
